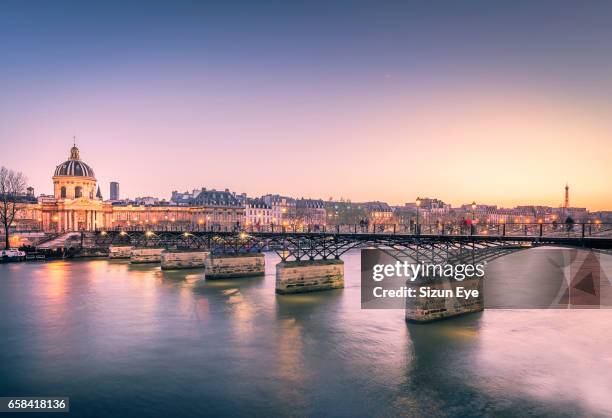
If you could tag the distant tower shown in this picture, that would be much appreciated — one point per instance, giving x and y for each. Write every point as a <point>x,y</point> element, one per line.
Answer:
<point>99,194</point>
<point>114,190</point>
<point>566,201</point>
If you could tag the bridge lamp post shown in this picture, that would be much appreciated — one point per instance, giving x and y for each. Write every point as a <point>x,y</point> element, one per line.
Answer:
<point>473,217</point>
<point>418,203</point>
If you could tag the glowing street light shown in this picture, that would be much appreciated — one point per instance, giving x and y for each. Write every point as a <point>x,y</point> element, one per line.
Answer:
<point>418,204</point>
<point>472,224</point>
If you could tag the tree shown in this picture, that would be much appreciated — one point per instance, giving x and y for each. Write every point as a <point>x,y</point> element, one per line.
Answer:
<point>12,186</point>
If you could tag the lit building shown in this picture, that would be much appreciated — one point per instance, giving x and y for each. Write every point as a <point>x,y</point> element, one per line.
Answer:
<point>379,212</point>
<point>310,212</point>
<point>283,209</point>
<point>75,206</point>
<point>258,213</point>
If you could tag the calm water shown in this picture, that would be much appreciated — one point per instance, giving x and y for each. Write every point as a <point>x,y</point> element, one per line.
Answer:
<point>127,341</point>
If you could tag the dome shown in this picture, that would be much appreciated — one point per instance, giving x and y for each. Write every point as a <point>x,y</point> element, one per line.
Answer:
<point>74,167</point>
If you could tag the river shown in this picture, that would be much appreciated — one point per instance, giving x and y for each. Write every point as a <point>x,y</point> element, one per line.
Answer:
<point>131,340</point>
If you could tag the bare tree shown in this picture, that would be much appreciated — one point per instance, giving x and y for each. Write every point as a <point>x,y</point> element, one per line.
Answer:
<point>12,186</point>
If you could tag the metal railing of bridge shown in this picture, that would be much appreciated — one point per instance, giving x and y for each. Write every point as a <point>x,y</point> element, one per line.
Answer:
<point>551,230</point>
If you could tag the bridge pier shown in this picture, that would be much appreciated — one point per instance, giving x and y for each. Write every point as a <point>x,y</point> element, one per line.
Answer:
<point>225,266</point>
<point>426,309</point>
<point>309,276</point>
<point>174,260</point>
<point>123,251</point>
<point>145,255</point>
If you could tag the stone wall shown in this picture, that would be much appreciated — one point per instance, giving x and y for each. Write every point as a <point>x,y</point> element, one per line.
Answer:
<point>172,260</point>
<point>234,265</point>
<point>424,309</point>
<point>309,276</point>
<point>146,255</point>
<point>119,251</point>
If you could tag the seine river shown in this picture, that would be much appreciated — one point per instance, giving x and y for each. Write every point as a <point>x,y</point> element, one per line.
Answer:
<point>124,340</point>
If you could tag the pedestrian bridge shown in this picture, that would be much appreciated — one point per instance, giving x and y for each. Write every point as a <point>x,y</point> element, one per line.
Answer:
<point>311,256</point>
<point>428,243</point>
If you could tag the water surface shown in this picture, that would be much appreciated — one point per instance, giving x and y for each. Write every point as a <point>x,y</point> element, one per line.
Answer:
<point>124,340</point>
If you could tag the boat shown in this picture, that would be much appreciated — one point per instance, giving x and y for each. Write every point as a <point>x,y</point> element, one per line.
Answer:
<point>12,255</point>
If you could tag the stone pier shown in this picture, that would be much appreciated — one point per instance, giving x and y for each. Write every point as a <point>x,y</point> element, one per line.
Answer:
<point>173,260</point>
<point>223,266</point>
<point>426,309</point>
<point>119,251</point>
<point>309,276</point>
<point>146,255</point>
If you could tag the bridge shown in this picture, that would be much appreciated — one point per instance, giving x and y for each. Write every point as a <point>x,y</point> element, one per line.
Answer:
<point>428,243</point>
<point>311,255</point>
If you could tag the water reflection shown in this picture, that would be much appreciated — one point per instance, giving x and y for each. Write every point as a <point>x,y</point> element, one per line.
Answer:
<point>118,338</point>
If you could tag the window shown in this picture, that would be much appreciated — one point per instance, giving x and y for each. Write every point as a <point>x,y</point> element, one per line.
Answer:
<point>63,192</point>
<point>78,192</point>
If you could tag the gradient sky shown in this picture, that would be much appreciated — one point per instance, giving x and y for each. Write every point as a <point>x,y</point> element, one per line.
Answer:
<point>498,102</point>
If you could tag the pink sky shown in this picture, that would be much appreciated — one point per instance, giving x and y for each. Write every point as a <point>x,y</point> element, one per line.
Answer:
<point>495,144</point>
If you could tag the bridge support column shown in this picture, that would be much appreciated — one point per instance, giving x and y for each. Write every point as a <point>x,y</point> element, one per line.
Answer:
<point>426,309</point>
<point>173,260</point>
<point>146,255</point>
<point>119,251</point>
<point>225,266</point>
<point>309,276</point>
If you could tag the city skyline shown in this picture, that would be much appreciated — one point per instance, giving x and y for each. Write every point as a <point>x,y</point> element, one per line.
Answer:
<point>466,103</point>
<point>167,196</point>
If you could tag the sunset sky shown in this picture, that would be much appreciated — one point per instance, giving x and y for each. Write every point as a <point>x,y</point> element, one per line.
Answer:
<point>498,102</point>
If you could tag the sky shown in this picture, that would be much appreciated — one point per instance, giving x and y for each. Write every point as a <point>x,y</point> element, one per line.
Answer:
<point>495,102</point>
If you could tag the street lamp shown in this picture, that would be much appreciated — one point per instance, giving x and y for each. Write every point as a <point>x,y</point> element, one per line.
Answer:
<point>473,217</point>
<point>418,203</point>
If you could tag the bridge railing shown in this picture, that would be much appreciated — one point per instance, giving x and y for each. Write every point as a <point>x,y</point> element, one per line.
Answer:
<point>561,230</point>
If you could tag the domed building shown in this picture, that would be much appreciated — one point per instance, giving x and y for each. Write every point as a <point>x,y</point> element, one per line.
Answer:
<point>75,206</point>
<point>73,179</point>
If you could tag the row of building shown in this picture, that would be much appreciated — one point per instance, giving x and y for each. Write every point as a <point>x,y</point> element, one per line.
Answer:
<point>77,204</point>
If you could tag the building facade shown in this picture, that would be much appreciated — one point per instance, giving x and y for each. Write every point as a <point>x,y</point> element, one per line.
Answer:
<point>75,206</point>
<point>282,209</point>
<point>258,213</point>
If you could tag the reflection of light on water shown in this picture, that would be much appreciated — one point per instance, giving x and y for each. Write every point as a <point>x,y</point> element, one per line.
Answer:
<point>465,333</point>
<point>290,359</point>
<point>54,277</point>
<point>551,355</point>
<point>301,298</point>
<point>231,292</point>
<point>243,314</point>
<point>237,340</point>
